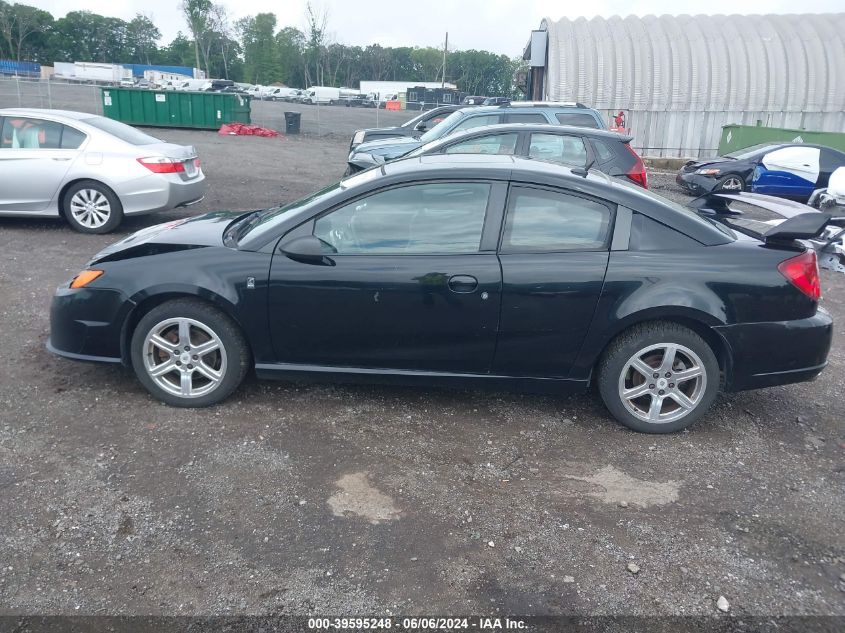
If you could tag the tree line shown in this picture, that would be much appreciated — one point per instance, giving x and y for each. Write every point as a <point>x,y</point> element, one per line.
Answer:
<point>253,49</point>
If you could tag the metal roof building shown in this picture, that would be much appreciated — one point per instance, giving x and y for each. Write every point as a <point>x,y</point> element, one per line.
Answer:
<point>680,78</point>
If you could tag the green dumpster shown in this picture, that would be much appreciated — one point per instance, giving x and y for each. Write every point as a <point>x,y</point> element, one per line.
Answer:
<point>736,137</point>
<point>171,108</point>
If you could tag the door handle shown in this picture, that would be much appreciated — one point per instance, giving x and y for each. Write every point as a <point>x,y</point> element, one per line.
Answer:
<point>463,284</point>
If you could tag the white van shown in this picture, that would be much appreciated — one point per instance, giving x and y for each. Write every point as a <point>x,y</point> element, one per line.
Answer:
<point>322,95</point>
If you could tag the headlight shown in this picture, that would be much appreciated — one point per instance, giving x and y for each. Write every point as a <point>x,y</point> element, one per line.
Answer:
<point>84,278</point>
<point>708,171</point>
<point>358,138</point>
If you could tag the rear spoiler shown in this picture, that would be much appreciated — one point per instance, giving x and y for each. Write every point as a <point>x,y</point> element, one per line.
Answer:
<point>802,222</point>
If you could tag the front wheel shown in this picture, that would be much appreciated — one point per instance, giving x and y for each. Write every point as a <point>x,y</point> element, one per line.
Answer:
<point>658,377</point>
<point>91,207</point>
<point>189,354</point>
<point>730,183</point>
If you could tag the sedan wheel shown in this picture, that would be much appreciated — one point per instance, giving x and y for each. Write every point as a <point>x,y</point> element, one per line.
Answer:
<point>662,383</point>
<point>189,354</point>
<point>658,377</point>
<point>730,183</point>
<point>184,357</point>
<point>91,207</point>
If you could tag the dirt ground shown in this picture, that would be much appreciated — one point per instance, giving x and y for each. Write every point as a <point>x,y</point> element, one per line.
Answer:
<point>351,500</point>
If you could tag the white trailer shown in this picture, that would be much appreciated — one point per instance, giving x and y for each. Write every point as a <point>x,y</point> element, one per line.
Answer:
<point>92,72</point>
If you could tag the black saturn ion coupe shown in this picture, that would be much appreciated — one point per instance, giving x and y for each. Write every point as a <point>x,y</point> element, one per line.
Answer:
<point>465,271</point>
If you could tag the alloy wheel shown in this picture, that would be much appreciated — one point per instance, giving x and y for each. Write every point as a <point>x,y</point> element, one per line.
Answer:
<point>662,383</point>
<point>732,183</point>
<point>184,357</point>
<point>90,208</point>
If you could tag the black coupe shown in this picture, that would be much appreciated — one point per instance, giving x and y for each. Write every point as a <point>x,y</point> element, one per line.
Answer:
<point>461,270</point>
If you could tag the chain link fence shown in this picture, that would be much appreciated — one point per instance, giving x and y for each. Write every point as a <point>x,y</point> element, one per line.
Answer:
<point>321,120</point>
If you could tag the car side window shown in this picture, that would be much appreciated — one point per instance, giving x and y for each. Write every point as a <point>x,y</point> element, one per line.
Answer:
<point>527,117</point>
<point>492,144</point>
<point>603,152</point>
<point>478,121</point>
<point>71,138</point>
<point>540,220</point>
<point>578,119</point>
<point>431,218</point>
<point>28,133</point>
<point>560,148</point>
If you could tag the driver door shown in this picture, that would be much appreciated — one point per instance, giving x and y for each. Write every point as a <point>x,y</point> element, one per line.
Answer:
<point>404,284</point>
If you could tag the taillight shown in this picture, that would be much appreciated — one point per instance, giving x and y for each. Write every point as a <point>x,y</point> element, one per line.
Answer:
<point>162,165</point>
<point>637,172</point>
<point>802,271</point>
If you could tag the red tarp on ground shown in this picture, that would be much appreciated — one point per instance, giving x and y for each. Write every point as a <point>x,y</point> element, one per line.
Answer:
<point>243,129</point>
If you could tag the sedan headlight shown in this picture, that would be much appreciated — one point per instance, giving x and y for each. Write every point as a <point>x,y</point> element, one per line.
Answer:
<point>708,171</point>
<point>358,137</point>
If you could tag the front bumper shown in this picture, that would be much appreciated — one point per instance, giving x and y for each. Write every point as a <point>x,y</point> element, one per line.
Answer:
<point>696,184</point>
<point>87,323</point>
<point>777,352</point>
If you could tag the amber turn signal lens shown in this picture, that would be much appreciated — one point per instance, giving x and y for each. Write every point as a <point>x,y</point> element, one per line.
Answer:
<point>84,278</point>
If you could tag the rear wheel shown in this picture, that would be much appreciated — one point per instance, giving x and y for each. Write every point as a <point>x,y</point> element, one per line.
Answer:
<point>731,182</point>
<point>189,354</point>
<point>91,207</point>
<point>658,377</point>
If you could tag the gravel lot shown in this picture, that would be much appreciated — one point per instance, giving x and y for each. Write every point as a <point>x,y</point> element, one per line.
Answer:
<point>350,500</point>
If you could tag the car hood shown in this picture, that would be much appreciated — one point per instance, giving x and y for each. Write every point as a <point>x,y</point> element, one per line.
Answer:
<point>718,161</point>
<point>388,148</point>
<point>197,232</point>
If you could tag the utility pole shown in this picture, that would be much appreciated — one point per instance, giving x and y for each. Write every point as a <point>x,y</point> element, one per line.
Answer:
<point>445,48</point>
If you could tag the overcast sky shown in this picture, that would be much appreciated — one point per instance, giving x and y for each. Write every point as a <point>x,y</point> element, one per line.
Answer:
<point>501,26</point>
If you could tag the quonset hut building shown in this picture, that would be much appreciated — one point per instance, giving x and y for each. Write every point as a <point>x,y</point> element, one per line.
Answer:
<point>679,79</point>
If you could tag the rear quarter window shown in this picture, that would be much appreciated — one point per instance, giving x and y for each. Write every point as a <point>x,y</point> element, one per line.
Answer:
<point>650,235</point>
<point>578,119</point>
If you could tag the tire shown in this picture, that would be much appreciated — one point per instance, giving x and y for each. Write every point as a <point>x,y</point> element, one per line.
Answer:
<point>84,204</point>
<point>218,373</point>
<point>649,342</point>
<point>731,182</point>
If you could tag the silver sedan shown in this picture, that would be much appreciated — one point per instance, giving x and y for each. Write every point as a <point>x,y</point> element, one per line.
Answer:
<point>90,170</point>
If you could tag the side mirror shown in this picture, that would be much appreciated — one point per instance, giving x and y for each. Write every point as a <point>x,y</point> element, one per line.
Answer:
<point>420,127</point>
<point>308,250</point>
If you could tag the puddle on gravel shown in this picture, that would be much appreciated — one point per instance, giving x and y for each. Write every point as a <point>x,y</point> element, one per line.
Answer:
<point>616,486</point>
<point>357,497</point>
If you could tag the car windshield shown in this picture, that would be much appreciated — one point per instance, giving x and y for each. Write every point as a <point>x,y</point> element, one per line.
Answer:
<point>438,130</point>
<point>748,152</point>
<point>125,133</point>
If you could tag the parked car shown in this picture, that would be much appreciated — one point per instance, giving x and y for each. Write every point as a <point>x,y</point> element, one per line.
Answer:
<point>90,170</point>
<point>491,271</point>
<point>144,84</point>
<point>473,100</point>
<point>127,82</point>
<point>495,101</point>
<point>413,127</point>
<point>359,101</point>
<point>735,171</point>
<point>795,171</point>
<point>565,144</point>
<point>367,154</point>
